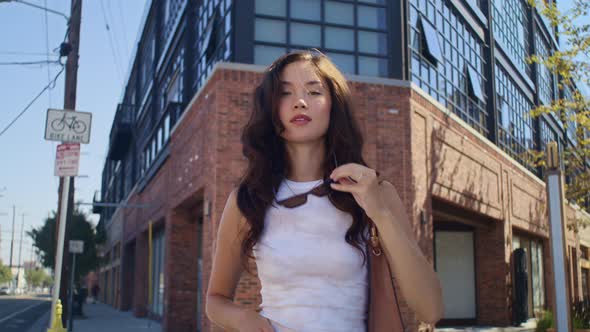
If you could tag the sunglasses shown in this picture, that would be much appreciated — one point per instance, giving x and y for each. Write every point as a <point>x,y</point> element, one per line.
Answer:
<point>300,199</point>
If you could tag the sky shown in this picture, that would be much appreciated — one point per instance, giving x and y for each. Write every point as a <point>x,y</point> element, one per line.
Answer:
<point>27,160</point>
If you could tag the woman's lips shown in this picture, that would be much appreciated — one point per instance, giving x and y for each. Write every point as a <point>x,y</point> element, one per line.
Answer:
<point>301,119</point>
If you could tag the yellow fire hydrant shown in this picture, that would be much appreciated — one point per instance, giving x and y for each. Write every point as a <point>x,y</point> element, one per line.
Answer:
<point>57,325</point>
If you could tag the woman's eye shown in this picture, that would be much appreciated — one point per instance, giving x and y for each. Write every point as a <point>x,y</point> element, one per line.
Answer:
<point>284,93</point>
<point>315,93</point>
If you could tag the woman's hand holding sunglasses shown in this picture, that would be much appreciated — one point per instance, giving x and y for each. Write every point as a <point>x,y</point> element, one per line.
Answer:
<point>363,183</point>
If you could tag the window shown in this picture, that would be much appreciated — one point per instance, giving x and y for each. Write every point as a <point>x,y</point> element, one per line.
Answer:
<point>271,7</point>
<point>306,34</point>
<point>265,55</point>
<point>372,42</point>
<point>340,39</point>
<point>306,9</point>
<point>352,33</point>
<point>474,83</point>
<point>441,43</point>
<point>545,78</point>
<point>339,13</point>
<point>158,252</point>
<point>344,62</point>
<point>515,130</point>
<point>510,24</point>
<point>371,17</point>
<point>372,66</point>
<point>431,43</point>
<point>270,31</point>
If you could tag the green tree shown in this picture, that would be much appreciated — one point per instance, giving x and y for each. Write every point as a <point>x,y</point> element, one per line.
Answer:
<point>5,273</point>
<point>570,67</point>
<point>35,277</point>
<point>80,229</point>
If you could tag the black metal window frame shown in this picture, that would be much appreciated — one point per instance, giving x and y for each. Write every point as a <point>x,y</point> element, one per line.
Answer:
<point>545,79</point>
<point>510,19</point>
<point>214,29</point>
<point>352,53</point>
<point>516,130</point>
<point>448,82</point>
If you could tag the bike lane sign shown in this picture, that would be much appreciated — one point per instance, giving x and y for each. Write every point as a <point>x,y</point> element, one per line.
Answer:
<point>68,126</point>
<point>67,159</point>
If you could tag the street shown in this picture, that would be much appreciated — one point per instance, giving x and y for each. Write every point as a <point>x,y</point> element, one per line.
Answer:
<point>18,313</point>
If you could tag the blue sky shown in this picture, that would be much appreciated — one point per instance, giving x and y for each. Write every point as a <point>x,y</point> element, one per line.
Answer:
<point>27,159</point>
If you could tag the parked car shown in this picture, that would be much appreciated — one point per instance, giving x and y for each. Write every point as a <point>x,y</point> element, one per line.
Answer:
<point>4,290</point>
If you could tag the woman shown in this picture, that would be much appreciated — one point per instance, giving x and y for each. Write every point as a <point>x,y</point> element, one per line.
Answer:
<point>304,210</point>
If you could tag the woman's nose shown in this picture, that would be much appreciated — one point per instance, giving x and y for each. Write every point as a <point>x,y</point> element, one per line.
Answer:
<point>300,103</point>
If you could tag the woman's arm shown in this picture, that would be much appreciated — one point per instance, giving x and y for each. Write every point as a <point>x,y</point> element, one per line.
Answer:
<point>225,274</point>
<point>414,274</point>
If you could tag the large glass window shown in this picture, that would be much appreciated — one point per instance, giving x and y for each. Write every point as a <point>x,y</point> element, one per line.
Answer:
<point>545,78</point>
<point>515,125</point>
<point>158,269</point>
<point>444,48</point>
<point>510,22</point>
<point>534,266</point>
<point>213,36</point>
<point>353,34</point>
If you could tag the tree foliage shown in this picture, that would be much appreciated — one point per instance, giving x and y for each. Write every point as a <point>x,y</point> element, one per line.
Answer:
<point>5,274</point>
<point>570,65</point>
<point>80,229</point>
<point>37,277</point>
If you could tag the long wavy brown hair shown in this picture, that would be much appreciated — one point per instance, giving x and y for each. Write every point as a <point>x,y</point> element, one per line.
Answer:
<point>264,148</point>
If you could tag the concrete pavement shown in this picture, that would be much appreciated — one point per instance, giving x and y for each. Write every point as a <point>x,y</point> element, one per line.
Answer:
<point>100,318</point>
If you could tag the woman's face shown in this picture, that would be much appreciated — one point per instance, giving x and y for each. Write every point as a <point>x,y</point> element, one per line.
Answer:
<point>305,103</point>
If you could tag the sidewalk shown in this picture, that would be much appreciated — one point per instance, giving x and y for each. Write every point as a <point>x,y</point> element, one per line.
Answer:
<point>100,318</point>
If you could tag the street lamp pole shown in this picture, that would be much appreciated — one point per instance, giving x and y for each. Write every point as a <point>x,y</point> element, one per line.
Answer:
<point>556,211</point>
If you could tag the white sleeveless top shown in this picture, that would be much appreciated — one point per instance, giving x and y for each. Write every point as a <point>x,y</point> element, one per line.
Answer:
<point>312,279</point>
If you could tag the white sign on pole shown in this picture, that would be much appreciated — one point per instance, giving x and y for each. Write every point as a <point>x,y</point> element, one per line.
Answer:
<point>68,126</point>
<point>67,159</point>
<point>76,247</point>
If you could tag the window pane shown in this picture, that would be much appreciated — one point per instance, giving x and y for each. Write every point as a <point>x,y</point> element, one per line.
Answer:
<point>372,66</point>
<point>270,30</point>
<point>371,17</point>
<point>344,62</point>
<point>306,34</point>
<point>306,9</point>
<point>340,13</point>
<point>271,7</point>
<point>265,55</point>
<point>372,42</point>
<point>340,39</point>
<point>378,2</point>
<point>475,83</point>
<point>430,35</point>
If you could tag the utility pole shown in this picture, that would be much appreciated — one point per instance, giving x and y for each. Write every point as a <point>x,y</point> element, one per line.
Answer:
<point>20,249</point>
<point>71,80</point>
<point>12,241</point>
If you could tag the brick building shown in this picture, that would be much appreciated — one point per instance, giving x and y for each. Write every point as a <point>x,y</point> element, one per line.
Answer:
<point>449,140</point>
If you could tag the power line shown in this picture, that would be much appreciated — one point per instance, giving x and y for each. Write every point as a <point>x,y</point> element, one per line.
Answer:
<point>25,53</point>
<point>28,63</point>
<point>51,85</point>
<point>113,51</point>
<point>127,50</point>
<point>40,7</point>
<point>47,48</point>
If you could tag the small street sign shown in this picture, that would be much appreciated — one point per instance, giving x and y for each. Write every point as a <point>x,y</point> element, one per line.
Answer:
<point>67,159</point>
<point>76,247</point>
<point>68,126</point>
